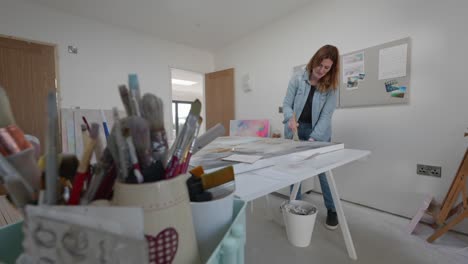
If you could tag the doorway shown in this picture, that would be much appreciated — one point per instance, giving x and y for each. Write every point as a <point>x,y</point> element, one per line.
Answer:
<point>186,87</point>
<point>28,74</point>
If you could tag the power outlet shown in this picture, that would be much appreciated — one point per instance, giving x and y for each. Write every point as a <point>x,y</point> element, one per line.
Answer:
<point>428,170</point>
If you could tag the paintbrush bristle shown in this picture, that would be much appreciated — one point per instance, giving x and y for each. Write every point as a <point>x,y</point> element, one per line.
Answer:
<point>6,115</point>
<point>153,110</point>
<point>68,165</point>
<point>160,116</point>
<point>94,131</point>
<point>196,108</point>
<point>125,96</point>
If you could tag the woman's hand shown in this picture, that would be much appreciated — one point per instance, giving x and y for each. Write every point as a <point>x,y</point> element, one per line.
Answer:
<point>292,124</point>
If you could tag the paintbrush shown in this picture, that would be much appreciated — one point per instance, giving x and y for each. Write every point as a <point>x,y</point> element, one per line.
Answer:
<point>118,148</point>
<point>51,163</point>
<point>99,148</point>
<point>182,142</point>
<point>84,134</point>
<point>85,138</point>
<point>105,189</point>
<point>134,93</point>
<point>68,165</point>
<point>295,135</point>
<point>140,133</point>
<point>125,96</point>
<point>189,153</point>
<point>104,124</point>
<point>133,157</point>
<point>82,173</point>
<point>210,135</point>
<point>152,111</point>
<point>85,121</point>
<point>102,168</point>
<point>6,115</point>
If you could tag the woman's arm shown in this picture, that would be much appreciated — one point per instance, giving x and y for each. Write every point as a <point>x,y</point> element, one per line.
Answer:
<point>325,117</point>
<point>288,101</point>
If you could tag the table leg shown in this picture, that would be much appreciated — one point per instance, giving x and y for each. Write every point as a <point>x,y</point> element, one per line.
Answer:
<point>341,217</point>
<point>294,191</point>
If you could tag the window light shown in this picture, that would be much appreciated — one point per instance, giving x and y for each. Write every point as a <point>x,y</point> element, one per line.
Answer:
<point>183,82</point>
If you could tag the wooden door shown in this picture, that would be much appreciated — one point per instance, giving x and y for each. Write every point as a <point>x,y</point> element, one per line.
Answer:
<point>27,73</point>
<point>219,98</point>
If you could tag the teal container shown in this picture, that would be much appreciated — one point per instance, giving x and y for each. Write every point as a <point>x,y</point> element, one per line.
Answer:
<point>231,249</point>
<point>11,237</point>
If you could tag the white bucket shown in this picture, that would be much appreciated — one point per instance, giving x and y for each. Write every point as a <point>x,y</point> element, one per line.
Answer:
<point>299,227</point>
<point>211,220</point>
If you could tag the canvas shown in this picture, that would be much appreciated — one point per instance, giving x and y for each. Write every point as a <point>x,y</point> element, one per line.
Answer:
<point>250,128</point>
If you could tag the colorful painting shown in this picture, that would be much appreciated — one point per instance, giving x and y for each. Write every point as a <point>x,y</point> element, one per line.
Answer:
<point>250,128</point>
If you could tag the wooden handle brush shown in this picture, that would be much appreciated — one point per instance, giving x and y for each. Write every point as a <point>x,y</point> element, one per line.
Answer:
<point>82,171</point>
<point>295,135</point>
<point>190,151</point>
<point>182,142</point>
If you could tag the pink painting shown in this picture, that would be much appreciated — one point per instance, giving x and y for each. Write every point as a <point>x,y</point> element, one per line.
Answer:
<point>250,128</point>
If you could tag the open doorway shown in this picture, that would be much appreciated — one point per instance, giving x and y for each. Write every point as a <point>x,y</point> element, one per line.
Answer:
<point>186,87</point>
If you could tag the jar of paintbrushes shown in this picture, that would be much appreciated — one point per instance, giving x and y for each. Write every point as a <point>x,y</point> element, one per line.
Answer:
<point>136,168</point>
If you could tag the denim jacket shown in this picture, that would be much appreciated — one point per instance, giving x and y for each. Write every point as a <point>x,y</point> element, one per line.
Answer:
<point>323,106</point>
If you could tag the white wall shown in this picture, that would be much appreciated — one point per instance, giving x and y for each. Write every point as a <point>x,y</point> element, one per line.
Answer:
<point>428,130</point>
<point>106,55</point>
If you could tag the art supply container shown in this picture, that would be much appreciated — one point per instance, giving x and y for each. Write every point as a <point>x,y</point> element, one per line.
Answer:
<point>231,249</point>
<point>211,220</point>
<point>299,227</point>
<point>167,218</point>
<point>25,163</point>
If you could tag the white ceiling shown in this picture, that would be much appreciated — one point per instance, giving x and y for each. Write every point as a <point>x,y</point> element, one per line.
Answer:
<point>204,24</point>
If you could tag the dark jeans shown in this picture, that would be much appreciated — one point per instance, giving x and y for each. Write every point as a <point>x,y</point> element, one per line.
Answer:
<point>303,132</point>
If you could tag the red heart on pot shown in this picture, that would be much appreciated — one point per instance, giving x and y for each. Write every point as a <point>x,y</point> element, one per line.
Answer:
<point>163,247</point>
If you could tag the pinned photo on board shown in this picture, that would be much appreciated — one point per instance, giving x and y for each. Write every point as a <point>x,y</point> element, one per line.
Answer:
<point>400,93</point>
<point>352,83</point>
<point>391,86</point>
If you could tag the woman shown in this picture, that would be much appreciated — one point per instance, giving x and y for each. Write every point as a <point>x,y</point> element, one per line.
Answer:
<point>311,96</point>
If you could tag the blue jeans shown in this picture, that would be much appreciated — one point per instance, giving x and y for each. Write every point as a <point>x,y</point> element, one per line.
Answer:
<point>303,132</point>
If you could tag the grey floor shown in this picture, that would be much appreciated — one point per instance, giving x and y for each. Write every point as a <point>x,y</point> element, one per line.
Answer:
<point>378,238</point>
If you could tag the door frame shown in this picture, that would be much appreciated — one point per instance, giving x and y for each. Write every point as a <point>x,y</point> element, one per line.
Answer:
<point>57,82</point>
<point>170,67</point>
